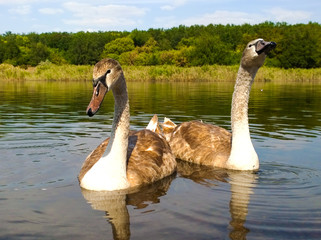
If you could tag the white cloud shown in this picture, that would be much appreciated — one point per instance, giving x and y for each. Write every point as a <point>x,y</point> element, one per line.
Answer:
<point>17,2</point>
<point>173,4</point>
<point>165,22</point>
<point>95,16</point>
<point>167,7</point>
<point>224,17</point>
<point>21,10</point>
<point>50,11</point>
<point>238,17</point>
<point>289,16</point>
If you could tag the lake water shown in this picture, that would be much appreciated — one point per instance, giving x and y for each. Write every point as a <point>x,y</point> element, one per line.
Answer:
<point>45,136</point>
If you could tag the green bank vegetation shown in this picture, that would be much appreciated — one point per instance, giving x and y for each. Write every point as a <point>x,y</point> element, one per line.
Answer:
<point>195,53</point>
<point>163,73</point>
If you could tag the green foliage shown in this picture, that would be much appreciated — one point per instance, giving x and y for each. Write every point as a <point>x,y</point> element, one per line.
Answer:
<point>11,51</point>
<point>139,37</point>
<point>196,45</point>
<point>81,50</point>
<point>118,46</point>
<point>209,49</point>
<point>38,52</point>
<point>300,47</point>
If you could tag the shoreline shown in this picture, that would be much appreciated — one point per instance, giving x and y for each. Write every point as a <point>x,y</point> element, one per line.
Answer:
<point>161,73</point>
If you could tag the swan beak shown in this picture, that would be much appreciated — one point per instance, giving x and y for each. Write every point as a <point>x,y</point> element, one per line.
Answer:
<point>99,93</point>
<point>264,47</point>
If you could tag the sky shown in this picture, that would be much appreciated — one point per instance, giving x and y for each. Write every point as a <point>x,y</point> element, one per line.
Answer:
<point>25,16</point>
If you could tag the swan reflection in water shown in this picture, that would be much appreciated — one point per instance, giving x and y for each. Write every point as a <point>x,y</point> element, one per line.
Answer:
<point>115,203</point>
<point>241,182</point>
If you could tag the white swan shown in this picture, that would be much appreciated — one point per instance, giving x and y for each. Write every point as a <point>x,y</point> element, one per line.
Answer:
<point>207,144</point>
<point>126,159</point>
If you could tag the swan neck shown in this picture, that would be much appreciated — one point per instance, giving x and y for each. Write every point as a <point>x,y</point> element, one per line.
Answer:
<point>118,143</point>
<point>243,155</point>
<point>240,101</point>
<point>120,126</point>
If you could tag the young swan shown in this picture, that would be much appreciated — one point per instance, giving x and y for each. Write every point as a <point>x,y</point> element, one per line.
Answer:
<point>207,144</point>
<point>126,159</point>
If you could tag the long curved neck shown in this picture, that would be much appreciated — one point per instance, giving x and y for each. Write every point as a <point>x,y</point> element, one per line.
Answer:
<point>243,155</point>
<point>240,101</point>
<point>118,143</point>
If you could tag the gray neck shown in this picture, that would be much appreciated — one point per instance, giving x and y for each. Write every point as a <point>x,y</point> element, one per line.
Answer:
<point>120,127</point>
<point>243,155</point>
<point>118,143</point>
<point>240,101</point>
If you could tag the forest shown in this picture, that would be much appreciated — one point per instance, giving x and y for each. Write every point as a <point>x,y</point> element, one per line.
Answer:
<point>197,45</point>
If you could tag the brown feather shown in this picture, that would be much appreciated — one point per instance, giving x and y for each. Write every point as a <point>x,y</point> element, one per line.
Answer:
<point>149,158</point>
<point>200,143</point>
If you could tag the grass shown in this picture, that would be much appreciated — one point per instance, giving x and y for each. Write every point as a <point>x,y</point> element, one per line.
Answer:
<point>46,71</point>
<point>165,73</point>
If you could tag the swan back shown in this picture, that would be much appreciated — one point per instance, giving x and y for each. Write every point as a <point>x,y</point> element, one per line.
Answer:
<point>167,128</point>
<point>198,142</point>
<point>150,158</point>
<point>153,125</point>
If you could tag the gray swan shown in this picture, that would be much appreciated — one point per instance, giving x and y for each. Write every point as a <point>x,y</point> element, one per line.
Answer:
<point>211,145</point>
<point>127,159</point>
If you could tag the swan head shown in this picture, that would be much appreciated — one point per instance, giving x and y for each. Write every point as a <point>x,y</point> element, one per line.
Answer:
<point>255,52</point>
<point>105,74</point>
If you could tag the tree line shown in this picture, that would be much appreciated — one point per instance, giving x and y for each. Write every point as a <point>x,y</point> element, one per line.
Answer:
<point>298,46</point>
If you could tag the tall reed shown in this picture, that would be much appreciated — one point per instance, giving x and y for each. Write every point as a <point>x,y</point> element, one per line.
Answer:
<point>164,73</point>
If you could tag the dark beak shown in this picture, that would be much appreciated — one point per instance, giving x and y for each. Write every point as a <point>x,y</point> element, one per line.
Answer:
<point>264,47</point>
<point>99,93</point>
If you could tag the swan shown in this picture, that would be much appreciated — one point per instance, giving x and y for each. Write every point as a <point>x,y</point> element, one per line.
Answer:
<point>127,159</point>
<point>211,145</point>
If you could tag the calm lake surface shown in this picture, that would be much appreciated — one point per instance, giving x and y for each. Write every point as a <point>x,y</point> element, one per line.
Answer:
<point>45,137</point>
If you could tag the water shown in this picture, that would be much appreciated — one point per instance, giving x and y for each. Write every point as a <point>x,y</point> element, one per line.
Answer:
<point>45,137</point>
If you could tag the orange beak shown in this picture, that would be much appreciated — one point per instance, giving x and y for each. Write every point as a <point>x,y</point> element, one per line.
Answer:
<point>99,93</point>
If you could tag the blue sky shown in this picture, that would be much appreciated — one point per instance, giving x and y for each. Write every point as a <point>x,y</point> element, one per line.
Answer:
<point>24,16</point>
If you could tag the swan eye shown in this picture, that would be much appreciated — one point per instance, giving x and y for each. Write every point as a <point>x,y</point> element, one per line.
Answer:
<point>97,91</point>
<point>101,79</point>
